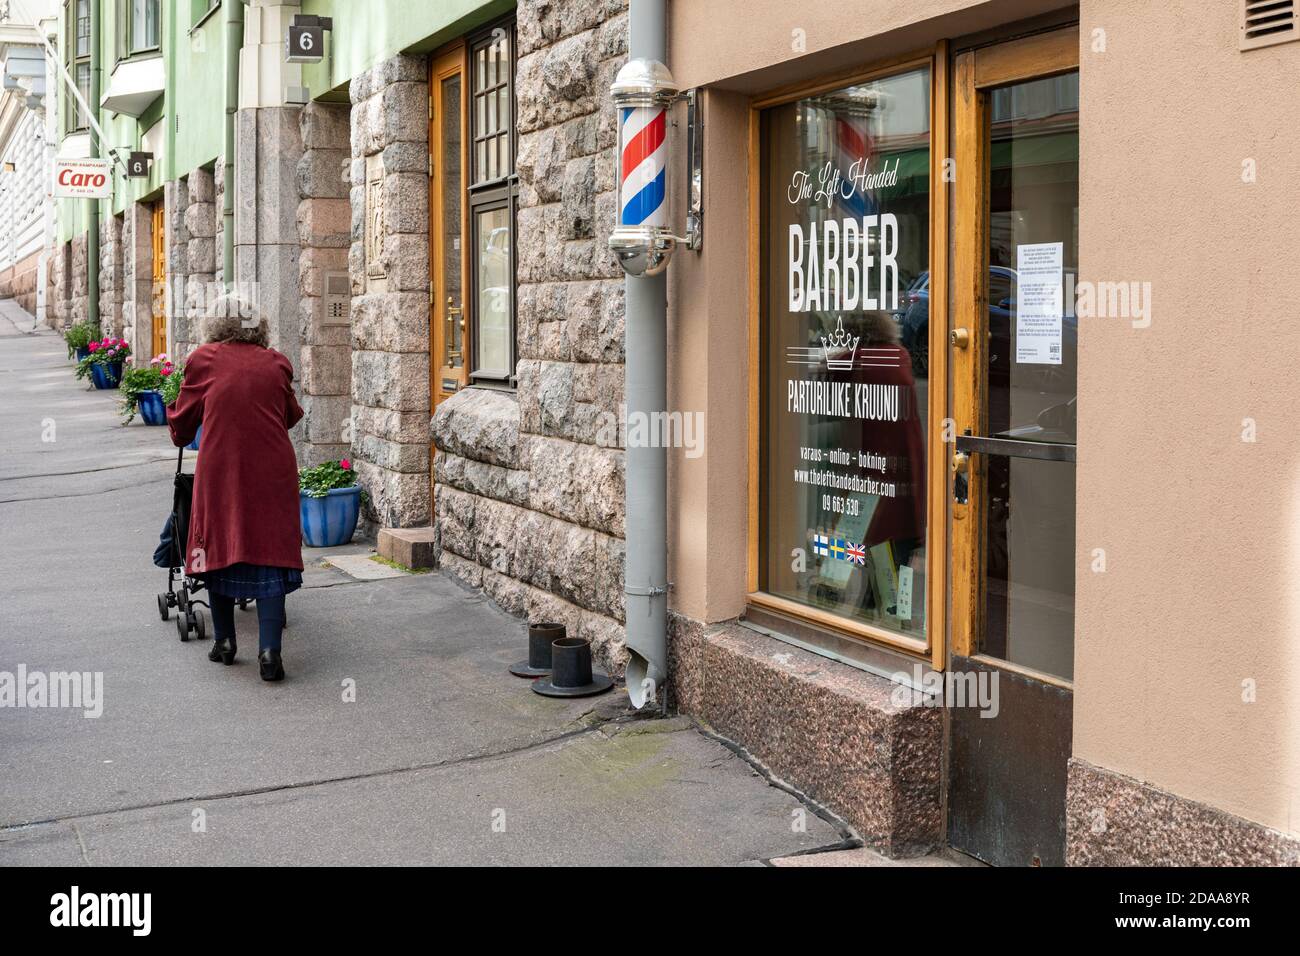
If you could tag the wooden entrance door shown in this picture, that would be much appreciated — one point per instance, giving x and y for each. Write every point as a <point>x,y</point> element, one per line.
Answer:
<point>1014,352</point>
<point>159,297</point>
<point>448,334</point>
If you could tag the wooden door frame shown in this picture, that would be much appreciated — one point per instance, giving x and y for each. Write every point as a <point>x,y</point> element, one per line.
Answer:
<point>444,63</point>
<point>158,274</point>
<point>975,73</point>
<point>933,648</point>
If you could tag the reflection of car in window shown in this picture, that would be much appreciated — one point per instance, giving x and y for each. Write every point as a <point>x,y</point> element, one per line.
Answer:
<point>915,324</point>
<point>498,243</point>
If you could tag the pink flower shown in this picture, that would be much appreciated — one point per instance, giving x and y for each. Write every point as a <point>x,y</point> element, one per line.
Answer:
<point>167,370</point>
<point>93,346</point>
<point>345,465</point>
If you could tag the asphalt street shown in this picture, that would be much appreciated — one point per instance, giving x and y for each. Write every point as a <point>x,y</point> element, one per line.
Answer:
<point>442,758</point>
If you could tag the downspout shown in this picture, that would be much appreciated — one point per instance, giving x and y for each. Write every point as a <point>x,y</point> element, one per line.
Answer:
<point>234,14</point>
<point>92,205</point>
<point>646,393</point>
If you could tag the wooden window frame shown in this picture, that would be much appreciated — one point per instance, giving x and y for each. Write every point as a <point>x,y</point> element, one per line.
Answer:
<point>125,20</point>
<point>933,647</point>
<point>74,61</point>
<point>975,73</point>
<point>486,196</point>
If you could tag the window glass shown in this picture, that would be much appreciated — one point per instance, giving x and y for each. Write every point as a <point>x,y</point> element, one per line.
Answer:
<point>845,327</point>
<point>492,108</point>
<point>492,193</point>
<point>493,281</point>
<point>144,25</point>
<point>453,344</point>
<point>83,27</point>
<point>1032,372</point>
<point>83,85</point>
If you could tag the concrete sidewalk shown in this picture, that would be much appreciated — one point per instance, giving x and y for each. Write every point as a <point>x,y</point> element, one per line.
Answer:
<point>442,758</point>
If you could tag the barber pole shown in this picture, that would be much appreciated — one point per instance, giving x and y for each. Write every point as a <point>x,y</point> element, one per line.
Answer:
<point>644,161</point>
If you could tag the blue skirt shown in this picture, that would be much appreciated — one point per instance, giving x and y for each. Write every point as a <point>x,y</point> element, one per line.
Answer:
<point>252,581</point>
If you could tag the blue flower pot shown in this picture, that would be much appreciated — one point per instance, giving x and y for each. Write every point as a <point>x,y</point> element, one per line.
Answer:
<point>330,521</point>
<point>151,406</point>
<point>82,353</point>
<point>106,376</point>
<point>194,445</point>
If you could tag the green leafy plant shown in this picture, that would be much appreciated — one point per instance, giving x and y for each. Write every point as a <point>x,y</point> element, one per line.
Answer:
<point>319,481</point>
<point>79,336</point>
<point>172,382</point>
<point>106,351</point>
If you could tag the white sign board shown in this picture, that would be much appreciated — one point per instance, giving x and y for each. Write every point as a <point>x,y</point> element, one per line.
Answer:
<point>1040,302</point>
<point>83,179</point>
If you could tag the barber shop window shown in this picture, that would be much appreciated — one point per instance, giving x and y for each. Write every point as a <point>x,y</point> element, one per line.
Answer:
<point>493,193</point>
<point>845,389</point>
<point>139,26</point>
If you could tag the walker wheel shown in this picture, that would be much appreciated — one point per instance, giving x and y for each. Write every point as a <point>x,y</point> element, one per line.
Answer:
<point>183,598</point>
<point>183,627</point>
<point>243,604</point>
<point>200,625</point>
<point>163,611</point>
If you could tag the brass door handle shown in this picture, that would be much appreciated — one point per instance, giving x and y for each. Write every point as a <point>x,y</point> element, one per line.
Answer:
<point>454,311</point>
<point>960,338</point>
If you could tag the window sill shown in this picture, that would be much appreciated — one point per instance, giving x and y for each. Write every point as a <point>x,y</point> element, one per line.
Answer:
<point>493,384</point>
<point>136,57</point>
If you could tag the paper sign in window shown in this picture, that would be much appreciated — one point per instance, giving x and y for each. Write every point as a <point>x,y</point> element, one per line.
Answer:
<point>1039,302</point>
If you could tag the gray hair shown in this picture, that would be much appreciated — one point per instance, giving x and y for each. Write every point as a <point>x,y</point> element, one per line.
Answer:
<point>233,319</point>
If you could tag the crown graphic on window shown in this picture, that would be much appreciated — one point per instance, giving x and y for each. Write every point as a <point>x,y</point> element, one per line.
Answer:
<point>840,348</point>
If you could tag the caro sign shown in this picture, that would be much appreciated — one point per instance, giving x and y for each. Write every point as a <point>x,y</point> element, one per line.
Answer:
<point>83,179</point>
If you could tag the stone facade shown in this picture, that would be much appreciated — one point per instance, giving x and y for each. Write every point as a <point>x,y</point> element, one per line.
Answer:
<point>529,495</point>
<point>389,150</point>
<point>110,274</point>
<point>269,145</point>
<point>1115,820</point>
<point>325,235</point>
<point>196,256</point>
<point>137,277</point>
<point>76,285</point>
<point>19,282</point>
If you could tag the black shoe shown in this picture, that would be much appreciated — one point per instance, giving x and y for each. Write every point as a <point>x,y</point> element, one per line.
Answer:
<point>223,652</point>
<point>271,666</point>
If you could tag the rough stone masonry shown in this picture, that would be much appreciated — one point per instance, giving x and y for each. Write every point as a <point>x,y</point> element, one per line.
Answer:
<point>528,500</point>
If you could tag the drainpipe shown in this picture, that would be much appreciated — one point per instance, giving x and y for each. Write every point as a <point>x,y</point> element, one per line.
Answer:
<point>646,386</point>
<point>92,205</point>
<point>234,14</point>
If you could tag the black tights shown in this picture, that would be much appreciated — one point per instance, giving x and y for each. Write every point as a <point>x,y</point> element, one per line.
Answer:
<point>270,620</point>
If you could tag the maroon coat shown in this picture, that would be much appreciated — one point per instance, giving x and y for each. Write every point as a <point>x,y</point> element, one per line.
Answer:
<point>245,505</point>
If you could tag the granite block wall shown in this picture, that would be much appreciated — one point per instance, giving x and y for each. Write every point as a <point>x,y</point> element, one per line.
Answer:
<point>530,483</point>
<point>389,149</point>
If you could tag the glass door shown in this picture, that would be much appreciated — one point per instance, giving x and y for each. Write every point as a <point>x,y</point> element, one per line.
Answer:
<point>1014,354</point>
<point>447,227</point>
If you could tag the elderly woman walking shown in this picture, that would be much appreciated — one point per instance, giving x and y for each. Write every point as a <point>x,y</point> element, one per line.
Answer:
<point>245,535</point>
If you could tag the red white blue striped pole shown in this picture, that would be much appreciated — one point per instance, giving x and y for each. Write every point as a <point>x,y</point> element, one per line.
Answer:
<point>644,166</point>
